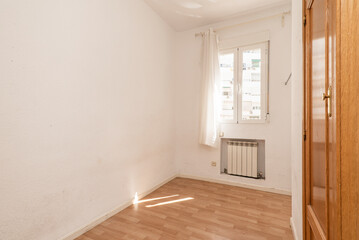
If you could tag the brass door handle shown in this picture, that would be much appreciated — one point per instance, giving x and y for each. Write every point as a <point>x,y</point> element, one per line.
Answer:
<point>329,97</point>
<point>325,96</point>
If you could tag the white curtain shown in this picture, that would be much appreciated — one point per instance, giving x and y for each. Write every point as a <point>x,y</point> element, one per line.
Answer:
<point>209,125</point>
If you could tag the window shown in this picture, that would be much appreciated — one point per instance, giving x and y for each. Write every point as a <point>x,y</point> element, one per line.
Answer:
<point>244,77</point>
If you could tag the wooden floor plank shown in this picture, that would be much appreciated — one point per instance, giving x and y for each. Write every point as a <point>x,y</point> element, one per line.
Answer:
<point>214,211</point>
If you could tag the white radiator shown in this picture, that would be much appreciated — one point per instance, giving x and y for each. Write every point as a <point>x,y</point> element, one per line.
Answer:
<point>242,158</point>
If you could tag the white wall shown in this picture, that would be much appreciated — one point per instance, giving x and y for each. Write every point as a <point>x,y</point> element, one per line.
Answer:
<point>194,159</point>
<point>86,111</point>
<point>297,117</point>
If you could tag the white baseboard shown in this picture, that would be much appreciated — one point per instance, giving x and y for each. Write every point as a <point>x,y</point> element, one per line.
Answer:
<point>294,230</point>
<point>111,213</point>
<point>260,188</point>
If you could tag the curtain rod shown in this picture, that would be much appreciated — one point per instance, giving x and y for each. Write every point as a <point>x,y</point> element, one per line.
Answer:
<point>239,24</point>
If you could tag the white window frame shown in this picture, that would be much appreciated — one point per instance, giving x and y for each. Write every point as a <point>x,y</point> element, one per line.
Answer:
<point>237,94</point>
<point>235,83</point>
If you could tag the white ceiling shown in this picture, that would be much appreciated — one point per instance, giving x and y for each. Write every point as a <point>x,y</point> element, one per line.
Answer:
<point>187,14</point>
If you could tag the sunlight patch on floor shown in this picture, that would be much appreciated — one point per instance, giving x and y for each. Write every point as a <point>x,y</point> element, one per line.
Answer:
<point>154,199</point>
<point>169,202</point>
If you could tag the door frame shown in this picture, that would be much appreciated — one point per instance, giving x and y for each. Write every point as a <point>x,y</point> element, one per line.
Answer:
<point>304,121</point>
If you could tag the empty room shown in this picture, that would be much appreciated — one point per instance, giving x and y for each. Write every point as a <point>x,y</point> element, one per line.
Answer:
<point>179,119</point>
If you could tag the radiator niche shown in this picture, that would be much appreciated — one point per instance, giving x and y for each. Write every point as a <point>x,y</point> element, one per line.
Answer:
<point>243,157</point>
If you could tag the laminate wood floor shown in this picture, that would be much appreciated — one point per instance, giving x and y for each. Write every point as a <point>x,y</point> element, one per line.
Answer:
<point>199,210</point>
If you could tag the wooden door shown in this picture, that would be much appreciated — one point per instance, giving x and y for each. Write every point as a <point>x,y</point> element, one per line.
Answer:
<point>320,144</point>
<point>331,148</point>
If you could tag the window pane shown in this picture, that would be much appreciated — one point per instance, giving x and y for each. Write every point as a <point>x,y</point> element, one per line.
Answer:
<point>226,62</point>
<point>251,85</point>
